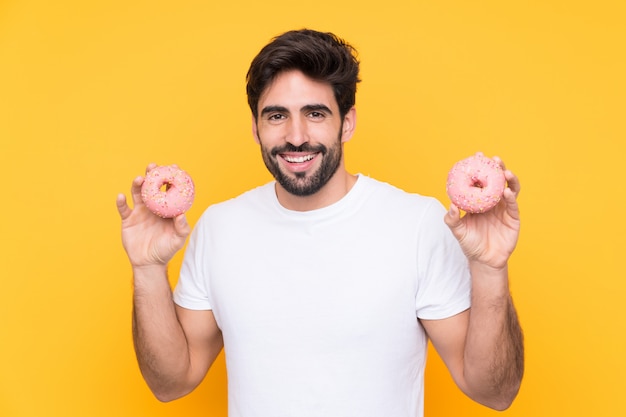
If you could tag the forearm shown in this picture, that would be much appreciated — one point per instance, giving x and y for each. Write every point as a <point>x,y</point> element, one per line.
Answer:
<point>160,343</point>
<point>494,351</point>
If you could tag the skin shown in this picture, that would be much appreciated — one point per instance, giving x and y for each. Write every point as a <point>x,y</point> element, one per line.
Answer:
<point>174,346</point>
<point>297,110</point>
<point>482,347</point>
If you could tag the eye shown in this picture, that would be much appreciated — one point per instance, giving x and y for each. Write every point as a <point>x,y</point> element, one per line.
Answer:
<point>317,115</point>
<point>276,117</point>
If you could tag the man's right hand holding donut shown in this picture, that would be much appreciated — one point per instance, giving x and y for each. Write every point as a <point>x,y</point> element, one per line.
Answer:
<point>173,358</point>
<point>148,239</point>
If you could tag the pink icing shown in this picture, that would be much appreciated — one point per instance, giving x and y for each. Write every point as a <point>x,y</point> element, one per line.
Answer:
<point>476,184</point>
<point>167,191</point>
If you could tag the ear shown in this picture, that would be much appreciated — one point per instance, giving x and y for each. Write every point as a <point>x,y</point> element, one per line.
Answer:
<point>349,125</point>
<point>255,133</point>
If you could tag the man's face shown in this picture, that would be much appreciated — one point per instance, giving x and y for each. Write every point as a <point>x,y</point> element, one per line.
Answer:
<point>300,132</point>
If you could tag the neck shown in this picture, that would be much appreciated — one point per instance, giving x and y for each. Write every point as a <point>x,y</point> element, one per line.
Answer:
<point>338,186</point>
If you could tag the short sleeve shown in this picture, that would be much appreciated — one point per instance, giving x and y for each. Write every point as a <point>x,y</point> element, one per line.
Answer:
<point>444,284</point>
<point>191,291</point>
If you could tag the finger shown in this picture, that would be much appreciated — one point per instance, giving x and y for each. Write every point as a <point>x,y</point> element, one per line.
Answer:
<point>499,161</point>
<point>150,167</point>
<point>135,191</point>
<point>510,199</point>
<point>122,206</point>
<point>512,182</point>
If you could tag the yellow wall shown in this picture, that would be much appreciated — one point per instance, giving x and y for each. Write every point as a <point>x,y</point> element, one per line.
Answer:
<point>90,92</point>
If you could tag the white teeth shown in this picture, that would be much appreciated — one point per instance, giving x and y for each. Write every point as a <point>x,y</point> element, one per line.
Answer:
<point>299,159</point>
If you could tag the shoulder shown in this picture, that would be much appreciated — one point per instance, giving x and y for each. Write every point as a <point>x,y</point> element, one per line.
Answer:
<point>245,205</point>
<point>390,197</point>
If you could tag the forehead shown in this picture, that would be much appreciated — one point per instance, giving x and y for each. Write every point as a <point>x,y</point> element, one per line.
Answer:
<point>293,89</point>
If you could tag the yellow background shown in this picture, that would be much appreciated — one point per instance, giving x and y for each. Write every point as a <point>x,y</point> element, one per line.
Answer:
<point>91,92</point>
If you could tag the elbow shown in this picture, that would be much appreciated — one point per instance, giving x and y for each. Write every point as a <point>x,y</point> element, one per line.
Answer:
<point>167,394</point>
<point>168,387</point>
<point>500,405</point>
<point>165,397</point>
<point>497,396</point>
<point>503,400</point>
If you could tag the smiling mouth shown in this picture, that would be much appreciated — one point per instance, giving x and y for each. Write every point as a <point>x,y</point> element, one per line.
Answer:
<point>298,159</point>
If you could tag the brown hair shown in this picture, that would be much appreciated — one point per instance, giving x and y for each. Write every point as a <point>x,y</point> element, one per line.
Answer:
<point>321,56</point>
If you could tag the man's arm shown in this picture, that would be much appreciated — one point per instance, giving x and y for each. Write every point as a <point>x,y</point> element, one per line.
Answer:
<point>175,347</point>
<point>483,346</point>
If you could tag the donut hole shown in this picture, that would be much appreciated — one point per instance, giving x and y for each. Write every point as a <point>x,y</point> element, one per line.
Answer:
<point>477,183</point>
<point>165,186</point>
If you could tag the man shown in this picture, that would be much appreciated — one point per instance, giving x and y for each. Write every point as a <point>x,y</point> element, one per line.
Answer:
<point>323,287</point>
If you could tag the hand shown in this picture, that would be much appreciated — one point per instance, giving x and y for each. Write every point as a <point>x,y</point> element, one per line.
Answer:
<point>489,238</point>
<point>147,238</point>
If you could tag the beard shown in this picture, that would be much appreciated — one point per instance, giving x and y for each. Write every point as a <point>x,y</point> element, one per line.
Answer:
<point>303,184</point>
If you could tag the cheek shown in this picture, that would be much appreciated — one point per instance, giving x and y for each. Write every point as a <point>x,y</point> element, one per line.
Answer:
<point>269,134</point>
<point>324,132</point>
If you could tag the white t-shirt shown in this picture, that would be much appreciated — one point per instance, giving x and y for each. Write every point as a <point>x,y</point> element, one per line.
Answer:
<point>319,309</point>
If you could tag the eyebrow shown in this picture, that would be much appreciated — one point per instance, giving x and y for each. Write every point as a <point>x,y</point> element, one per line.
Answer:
<point>317,107</point>
<point>307,108</point>
<point>271,109</point>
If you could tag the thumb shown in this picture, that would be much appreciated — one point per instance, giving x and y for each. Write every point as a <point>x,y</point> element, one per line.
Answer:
<point>122,206</point>
<point>453,217</point>
<point>181,226</point>
<point>454,222</point>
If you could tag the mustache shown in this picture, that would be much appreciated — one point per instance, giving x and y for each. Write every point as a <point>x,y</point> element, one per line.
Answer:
<point>305,147</point>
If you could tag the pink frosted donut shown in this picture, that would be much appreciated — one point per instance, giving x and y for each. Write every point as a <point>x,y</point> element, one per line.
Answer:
<point>476,184</point>
<point>167,191</point>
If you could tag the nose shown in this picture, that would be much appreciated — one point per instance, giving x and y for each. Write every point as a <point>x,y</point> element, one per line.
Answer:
<point>297,132</point>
